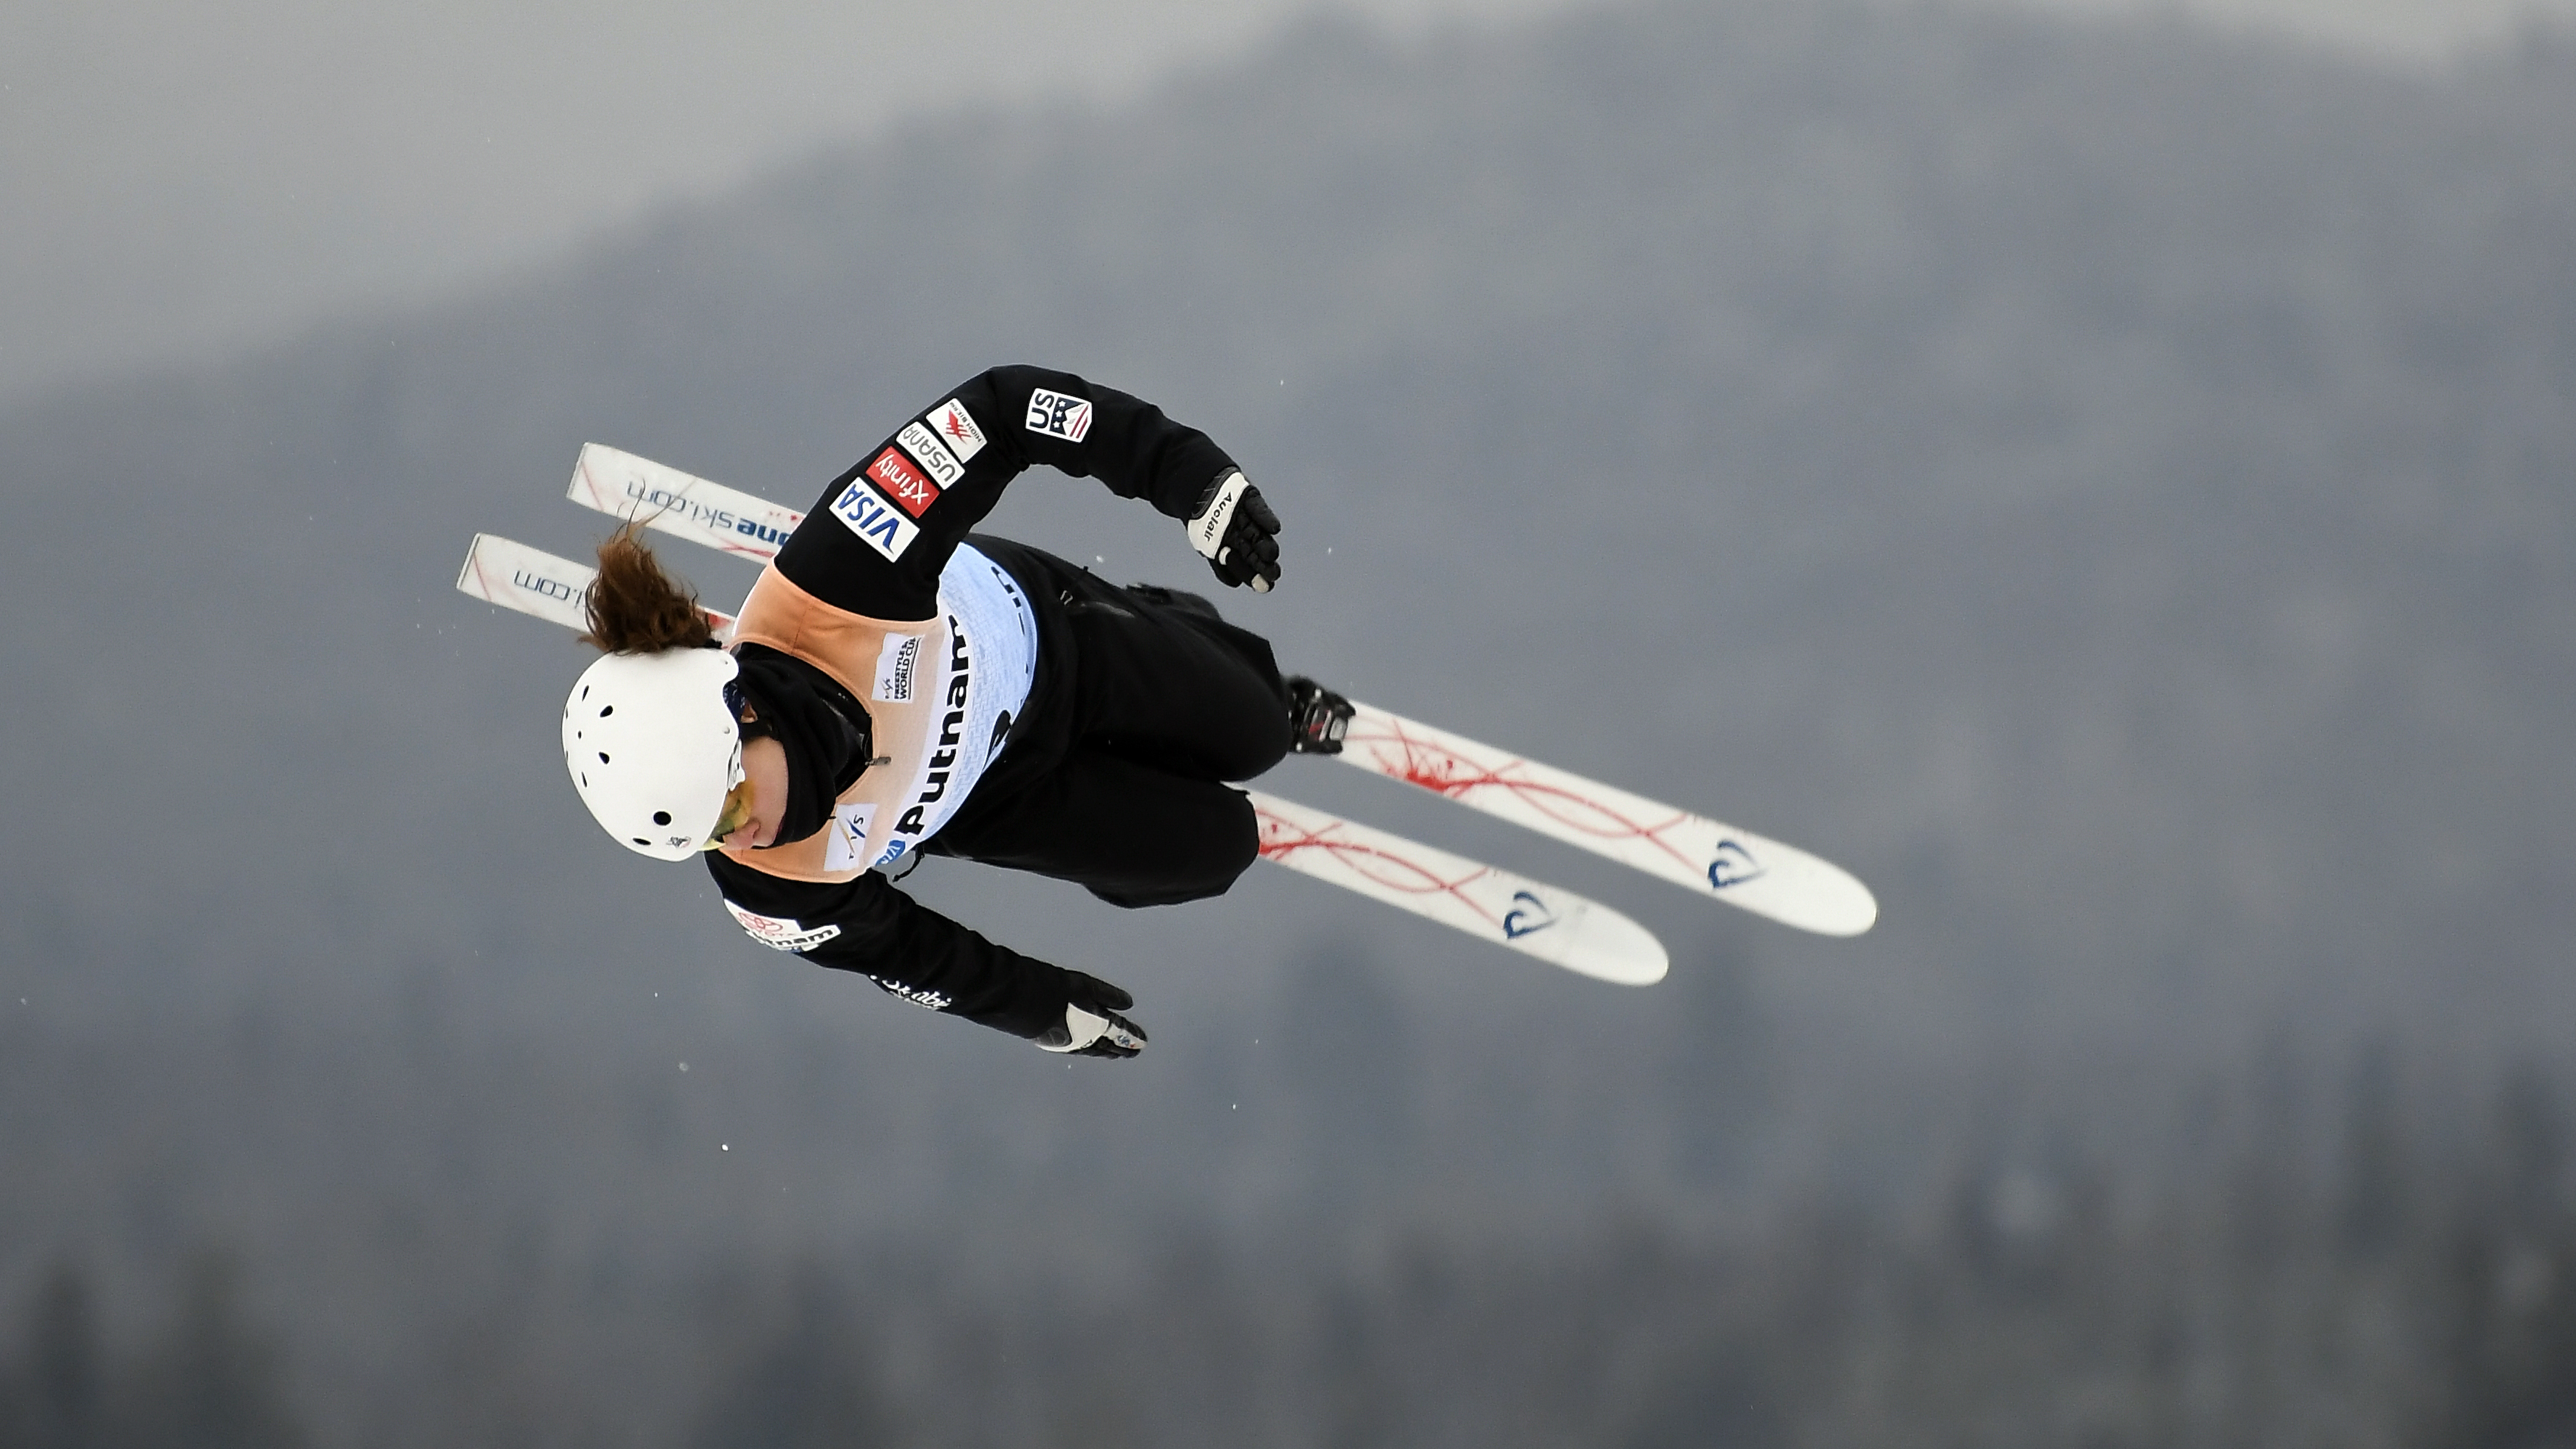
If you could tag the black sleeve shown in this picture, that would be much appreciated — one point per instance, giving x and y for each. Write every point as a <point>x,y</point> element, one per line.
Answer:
<point>880,534</point>
<point>868,927</point>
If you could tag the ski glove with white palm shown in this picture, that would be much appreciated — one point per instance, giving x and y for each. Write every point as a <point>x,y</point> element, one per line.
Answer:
<point>1235,531</point>
<point>1092,1026</point>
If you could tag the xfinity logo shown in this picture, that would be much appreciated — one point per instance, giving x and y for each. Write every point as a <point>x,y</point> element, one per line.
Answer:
<point>902,482</point>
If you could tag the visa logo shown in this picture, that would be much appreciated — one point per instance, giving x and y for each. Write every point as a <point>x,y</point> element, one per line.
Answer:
<point>879,523</point>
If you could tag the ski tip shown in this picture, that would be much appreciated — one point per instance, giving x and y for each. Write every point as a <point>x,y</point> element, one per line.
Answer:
<point>1868,916</point>
<point>1811,895</point>
<point>1607,946</point>
<point>1642,963</point>
<point>1785,884</point>
<point>1847,910</point>
<point>1823,899</point>
<point>1854,922</point>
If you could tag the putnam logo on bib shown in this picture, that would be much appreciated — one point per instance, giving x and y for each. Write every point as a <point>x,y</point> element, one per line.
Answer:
<point>1059,415</point>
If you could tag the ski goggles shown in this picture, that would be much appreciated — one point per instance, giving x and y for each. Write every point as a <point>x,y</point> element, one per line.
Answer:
<point>737,809</point>
<point>737,801</point>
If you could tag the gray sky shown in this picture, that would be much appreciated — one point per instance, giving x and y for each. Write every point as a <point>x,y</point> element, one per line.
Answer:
<point>185,178</point>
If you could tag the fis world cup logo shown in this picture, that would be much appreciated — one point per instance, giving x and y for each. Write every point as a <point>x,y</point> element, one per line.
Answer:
<point>848,835</point>
<point>896,659</point>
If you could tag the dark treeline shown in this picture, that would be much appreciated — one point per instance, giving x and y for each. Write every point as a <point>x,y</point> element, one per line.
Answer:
<point>2403,1296</point>
<point>209,1379</point>
<point>2107,483</point>
<point>2399,1293</point>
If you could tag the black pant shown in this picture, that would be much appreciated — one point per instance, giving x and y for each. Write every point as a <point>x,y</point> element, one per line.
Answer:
<point>1147,702</point>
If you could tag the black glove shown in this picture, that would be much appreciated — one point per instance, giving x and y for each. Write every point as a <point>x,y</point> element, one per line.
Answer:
<point>1092,1026</point>
<point>1235,531</point>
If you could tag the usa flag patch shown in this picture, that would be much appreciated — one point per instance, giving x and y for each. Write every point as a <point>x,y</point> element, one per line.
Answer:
<point>1059,415</point>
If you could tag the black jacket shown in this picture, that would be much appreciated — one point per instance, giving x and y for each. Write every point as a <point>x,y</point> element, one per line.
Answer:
<point>1025,415</point>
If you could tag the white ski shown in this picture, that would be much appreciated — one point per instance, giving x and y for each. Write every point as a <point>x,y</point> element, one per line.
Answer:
<point>1761,875</point>
<point>533,581</point>
<point>1736,866</point>
<point>1556,926</point>
<point>726,519</point>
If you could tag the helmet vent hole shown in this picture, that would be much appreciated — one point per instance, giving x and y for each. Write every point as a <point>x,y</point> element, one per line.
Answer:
<point>661,817</point>
<point>606,710</point>
<point>640,840</point>
<point>603,757</point>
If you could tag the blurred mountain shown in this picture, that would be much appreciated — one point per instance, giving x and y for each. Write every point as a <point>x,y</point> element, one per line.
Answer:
<point>2106,483</point>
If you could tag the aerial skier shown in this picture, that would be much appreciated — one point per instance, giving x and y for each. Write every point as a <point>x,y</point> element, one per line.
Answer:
<point>897,686</point>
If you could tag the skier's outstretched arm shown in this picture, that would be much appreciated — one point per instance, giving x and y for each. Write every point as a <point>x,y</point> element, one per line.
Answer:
<point>879,535</point>
<point>868,927</point>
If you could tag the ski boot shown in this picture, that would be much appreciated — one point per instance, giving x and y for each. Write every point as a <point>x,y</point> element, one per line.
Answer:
<point>1317,718</point>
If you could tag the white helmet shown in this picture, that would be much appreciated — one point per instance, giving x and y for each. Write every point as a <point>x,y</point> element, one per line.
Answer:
<point>654,748</point>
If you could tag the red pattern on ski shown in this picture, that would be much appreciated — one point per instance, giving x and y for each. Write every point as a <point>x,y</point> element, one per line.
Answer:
<point>1281,838</point>
<point>1444,773</point>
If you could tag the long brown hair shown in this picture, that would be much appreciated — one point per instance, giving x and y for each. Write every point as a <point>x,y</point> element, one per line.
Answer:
<point>636,607</point>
